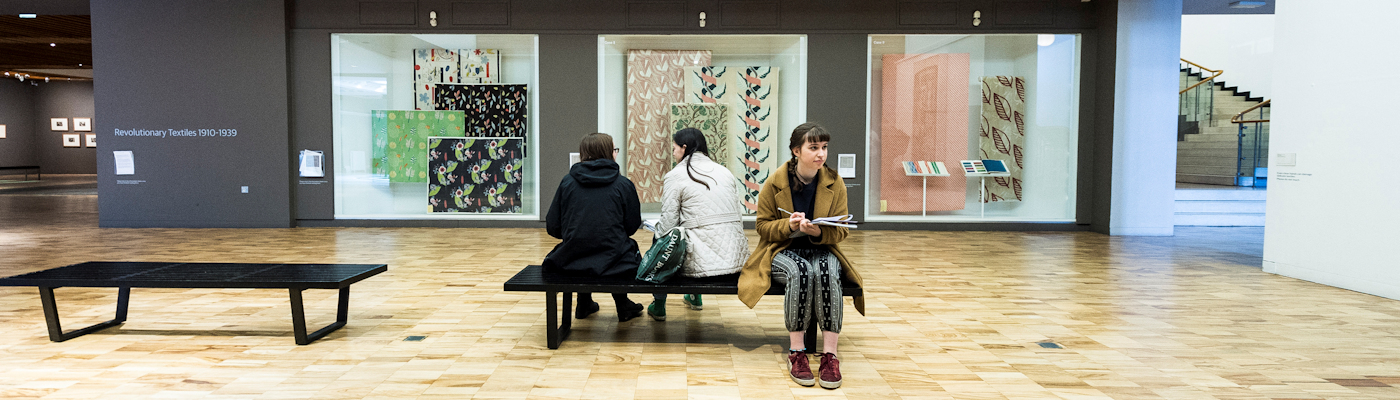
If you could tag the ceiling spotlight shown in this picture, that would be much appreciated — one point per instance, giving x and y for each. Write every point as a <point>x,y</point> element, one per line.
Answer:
<point>29,15</point>
<point>1248,4</point>
<point>80,65</point>
<point>46,79</point>
<point>53,44</point>
<point>7,73</point>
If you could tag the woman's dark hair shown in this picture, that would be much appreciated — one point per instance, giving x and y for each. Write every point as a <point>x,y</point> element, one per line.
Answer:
<point>595,146</point>
<point>694,142</point>
<point>810,132</point>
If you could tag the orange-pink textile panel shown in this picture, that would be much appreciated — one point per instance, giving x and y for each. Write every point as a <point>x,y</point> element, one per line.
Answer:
<point>923,117</point>
<point>655,79</point>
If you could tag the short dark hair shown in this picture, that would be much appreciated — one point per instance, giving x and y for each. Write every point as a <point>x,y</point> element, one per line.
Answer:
<point>595,146</point>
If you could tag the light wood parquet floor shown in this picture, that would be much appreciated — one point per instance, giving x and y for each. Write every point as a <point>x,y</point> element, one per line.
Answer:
<point>951,315</point>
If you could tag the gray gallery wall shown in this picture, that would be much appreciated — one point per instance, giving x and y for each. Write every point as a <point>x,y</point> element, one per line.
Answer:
<point>183,65</point>
<point>62,100</point>
<point>568,61</point>
<point>262,67</point>
<point>17,114</point>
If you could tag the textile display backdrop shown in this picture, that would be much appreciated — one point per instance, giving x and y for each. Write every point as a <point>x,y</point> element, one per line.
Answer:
<point>400,141</point>
<point>1004,133</point>
<point>923,117</point>
<point>752,95</point>
<point>655,79</point>
<point>436,66</point>
<point>491,110</point>
<point>711,119</point>
<point>475,175</point>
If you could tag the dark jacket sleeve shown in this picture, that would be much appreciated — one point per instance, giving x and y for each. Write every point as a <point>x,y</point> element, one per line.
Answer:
<point>552,223</point>
<point>632,219</point>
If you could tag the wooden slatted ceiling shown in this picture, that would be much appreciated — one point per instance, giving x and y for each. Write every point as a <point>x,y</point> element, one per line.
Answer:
<point>24,42</point>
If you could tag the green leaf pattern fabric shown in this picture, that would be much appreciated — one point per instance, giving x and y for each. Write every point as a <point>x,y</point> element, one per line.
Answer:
<point>400,141</point>
<point>711,119</point>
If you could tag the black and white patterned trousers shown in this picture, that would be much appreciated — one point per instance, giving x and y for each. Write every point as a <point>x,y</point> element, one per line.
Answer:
<point>813,279</point>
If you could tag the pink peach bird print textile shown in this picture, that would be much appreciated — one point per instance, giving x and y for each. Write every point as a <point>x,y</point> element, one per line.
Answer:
<point>1003,134</point>
<point>655,79</point>
<point>752,96</point>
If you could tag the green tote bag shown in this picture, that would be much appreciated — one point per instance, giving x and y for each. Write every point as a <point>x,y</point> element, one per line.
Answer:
<point>664,258</point>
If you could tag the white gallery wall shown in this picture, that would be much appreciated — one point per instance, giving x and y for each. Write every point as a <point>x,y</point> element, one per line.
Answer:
<point>1240,44</point>
<point>1144,118</point>
<point>1333,218</point>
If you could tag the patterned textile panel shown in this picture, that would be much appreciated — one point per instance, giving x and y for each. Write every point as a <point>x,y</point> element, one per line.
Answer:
<point>379,142</point>
<point>491,110</point>
<point>435,66</point>
<point>655,79</point>
<point>401,154</point>
<point>758,102</point>
<point>1003,134</point>
<point>475,175</point>
<point>923,118</point>
<point>751,92</point>
<point>711,119</point>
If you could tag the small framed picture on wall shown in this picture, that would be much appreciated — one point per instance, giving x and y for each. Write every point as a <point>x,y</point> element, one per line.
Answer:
<point>2,131</point>
<point>90,140</point>
<point>82,124</point>
<point>58,124</point>
<point>72,140</point>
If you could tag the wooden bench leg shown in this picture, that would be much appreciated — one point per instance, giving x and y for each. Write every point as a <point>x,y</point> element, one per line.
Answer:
<point>557,331</point>
<point>56,329</point>
<point>342,315</point>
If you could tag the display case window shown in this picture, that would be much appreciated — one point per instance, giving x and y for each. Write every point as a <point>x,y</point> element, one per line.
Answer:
<point>972,128</point>
<point>745,92</point>
<point>435,126</point>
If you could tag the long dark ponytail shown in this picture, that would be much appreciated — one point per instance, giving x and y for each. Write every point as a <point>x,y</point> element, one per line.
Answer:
<point>694,142</point>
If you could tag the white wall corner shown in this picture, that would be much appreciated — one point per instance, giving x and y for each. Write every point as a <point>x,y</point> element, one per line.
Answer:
<point>1145,117</point>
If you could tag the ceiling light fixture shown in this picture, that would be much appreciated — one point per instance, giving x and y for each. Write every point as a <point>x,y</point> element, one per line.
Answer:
<point>1248,4</point>
<point>53,44</point>
<point>29,15</point>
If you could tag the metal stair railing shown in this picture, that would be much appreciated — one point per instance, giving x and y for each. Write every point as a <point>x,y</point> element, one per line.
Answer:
<point>1197,102</point>
<point>1252,164</point>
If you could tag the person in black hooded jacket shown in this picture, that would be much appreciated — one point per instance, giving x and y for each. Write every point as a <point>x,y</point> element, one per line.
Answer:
<point>596,211</point>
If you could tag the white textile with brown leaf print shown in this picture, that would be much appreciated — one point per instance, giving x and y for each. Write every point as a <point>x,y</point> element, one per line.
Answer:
<point>1003,134</point>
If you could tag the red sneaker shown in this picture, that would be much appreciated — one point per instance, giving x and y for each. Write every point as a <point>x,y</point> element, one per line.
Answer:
<point>799,370</point>
<point>830,371</point>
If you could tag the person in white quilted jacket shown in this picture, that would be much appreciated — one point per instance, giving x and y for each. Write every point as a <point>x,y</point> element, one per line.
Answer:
<point>703,197</point>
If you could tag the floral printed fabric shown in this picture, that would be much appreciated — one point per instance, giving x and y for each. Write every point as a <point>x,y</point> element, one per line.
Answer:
<point>475,175</point>
<point>923,117</point>
<point>655,79</point>
<point>751,93</point>
<point>400,141</point>
<point>491,110</point>
<point>1004,133</point>
<point>710,119</point>
<point>438,66</point>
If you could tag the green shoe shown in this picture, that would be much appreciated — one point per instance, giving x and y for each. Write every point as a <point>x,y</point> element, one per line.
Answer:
<point>657,311</point>
<point>693,300</point>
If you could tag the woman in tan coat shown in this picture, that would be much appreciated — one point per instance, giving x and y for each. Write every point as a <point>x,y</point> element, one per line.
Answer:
<point>804,256</point>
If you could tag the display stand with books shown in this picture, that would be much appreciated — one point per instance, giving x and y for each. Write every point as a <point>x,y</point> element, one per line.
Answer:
<point>983,169</point>
<point>925,169</point>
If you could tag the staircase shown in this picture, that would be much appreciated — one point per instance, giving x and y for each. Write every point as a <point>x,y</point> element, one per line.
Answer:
<point>1208,147</point>
<point>1217,207</point>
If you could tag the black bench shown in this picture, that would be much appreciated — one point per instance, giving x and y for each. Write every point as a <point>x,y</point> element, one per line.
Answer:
<point>127,275</point>
<point>26,168</point>
<point>534,278</point>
